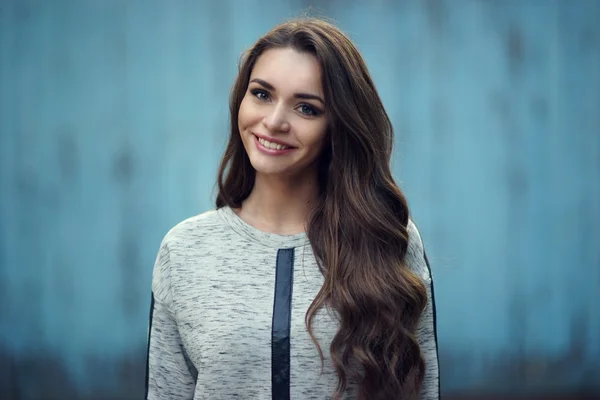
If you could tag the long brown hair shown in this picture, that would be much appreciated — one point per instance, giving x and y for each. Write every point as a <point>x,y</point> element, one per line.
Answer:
<point>358,228</point>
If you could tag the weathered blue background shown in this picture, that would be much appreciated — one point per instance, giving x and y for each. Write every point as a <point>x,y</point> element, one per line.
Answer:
<point>113,115</point>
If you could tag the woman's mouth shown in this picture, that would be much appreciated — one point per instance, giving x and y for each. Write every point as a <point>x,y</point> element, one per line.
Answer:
<point>272,145</point>
<point>272,148</point>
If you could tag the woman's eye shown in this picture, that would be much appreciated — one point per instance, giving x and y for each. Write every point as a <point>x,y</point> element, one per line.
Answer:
<point>308,110</point>
<point>260,94</point>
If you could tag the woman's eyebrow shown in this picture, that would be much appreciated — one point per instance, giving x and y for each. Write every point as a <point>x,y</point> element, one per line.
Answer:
<point>308,96</point>
<point>305,96</point>
<point>263,83</point>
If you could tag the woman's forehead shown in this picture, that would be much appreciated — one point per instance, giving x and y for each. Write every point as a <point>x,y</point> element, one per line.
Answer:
<point>289,70</point>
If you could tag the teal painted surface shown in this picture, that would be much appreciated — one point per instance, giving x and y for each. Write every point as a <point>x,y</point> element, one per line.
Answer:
<point>113,116</point>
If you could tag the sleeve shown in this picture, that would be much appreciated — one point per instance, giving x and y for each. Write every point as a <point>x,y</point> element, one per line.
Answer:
<point>169,372</point>
<point>427,328</point>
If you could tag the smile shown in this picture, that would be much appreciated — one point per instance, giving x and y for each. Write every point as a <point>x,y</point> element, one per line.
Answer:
<point>272,148</point>
<point>271,145</point>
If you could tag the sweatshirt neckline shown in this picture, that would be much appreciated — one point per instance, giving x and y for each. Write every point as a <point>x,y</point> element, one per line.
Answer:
<point>269,239</point>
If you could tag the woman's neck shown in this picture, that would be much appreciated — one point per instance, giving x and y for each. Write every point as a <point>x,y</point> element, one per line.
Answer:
<point>278,205</point>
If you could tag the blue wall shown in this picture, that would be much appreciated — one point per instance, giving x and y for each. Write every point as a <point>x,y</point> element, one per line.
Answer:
<point>113,115</point>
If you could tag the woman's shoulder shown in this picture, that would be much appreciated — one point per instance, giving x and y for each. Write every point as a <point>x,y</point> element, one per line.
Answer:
<point>415,253</point>
<point>195,228</point>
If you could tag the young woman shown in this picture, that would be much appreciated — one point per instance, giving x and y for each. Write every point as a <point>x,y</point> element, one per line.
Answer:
<point>308,280</point>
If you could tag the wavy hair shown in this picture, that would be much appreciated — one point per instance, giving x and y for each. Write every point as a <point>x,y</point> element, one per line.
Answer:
<point>358,227</point>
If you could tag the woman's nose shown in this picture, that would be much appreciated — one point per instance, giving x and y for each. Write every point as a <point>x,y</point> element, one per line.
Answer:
<point>276,120</point>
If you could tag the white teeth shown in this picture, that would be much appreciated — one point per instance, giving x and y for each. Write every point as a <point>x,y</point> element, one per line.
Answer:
<point>271,145</point>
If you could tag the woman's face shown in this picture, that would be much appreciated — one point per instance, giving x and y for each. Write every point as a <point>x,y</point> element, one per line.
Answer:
<point>282,118</point>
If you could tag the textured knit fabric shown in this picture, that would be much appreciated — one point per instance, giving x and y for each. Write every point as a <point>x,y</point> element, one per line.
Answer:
<point>211,321</point>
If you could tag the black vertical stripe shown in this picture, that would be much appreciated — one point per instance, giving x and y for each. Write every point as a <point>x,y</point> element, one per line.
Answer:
<point>435,335</point>
<point>280,333</point>
<point>148,344</point>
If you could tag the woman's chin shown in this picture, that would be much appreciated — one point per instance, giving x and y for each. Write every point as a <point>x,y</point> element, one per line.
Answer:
<point>269,167</point>
<point>271,171</point>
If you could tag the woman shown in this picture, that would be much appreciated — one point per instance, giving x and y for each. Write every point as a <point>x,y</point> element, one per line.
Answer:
<point>308,280</point>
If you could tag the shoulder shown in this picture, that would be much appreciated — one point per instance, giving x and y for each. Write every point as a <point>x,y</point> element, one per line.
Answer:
<point>190,237</point>
<point>193,229</point>
<point>415,253</point>
<point>179,245</point>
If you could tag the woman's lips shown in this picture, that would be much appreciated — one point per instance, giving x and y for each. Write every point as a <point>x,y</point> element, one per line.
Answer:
<point>272,148</point>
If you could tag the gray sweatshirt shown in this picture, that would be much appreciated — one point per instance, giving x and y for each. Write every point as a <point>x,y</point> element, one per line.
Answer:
<point>227,315</point>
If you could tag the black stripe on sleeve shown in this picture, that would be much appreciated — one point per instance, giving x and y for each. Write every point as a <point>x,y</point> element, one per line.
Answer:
<point>435,335</point>
<point>148,344</point>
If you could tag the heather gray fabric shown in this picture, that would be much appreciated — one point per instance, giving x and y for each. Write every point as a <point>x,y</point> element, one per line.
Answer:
<point>210,334</point>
